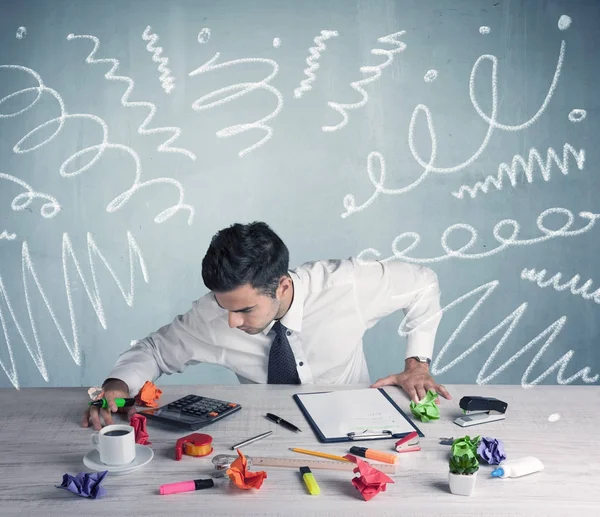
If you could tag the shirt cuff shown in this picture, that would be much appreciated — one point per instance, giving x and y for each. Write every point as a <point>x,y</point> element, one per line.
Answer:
<point>419,344</point>
<point>133,379</point>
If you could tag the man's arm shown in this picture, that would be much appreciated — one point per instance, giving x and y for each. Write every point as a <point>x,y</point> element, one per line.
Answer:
<point>186,340</point>
<point>383,288</point>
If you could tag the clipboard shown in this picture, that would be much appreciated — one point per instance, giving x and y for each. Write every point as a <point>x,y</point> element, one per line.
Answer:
<point>351,415</point>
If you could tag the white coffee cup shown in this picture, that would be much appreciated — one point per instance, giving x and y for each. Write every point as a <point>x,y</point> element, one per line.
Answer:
<point>115,443</point>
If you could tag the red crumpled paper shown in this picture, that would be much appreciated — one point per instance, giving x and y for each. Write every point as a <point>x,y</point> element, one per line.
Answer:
<point>148,395</point>
<point>371,481</point>
<point>242,477</point>
<point>138,422</point>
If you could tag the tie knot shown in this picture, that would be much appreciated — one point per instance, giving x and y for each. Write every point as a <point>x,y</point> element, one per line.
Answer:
<point>279,328</point>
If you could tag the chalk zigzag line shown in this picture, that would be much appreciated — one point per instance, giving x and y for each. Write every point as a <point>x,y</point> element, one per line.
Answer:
<point>518,162</point>
<point>312,62</point>
<point>507,326</point>
<point>167,81</point>
<point>93,294</point>
<point>165,147</point>
<point>8,236</point>
<point>538,278</point>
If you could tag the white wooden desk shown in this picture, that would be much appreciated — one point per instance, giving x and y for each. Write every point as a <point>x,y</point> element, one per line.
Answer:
<point>41,439</point>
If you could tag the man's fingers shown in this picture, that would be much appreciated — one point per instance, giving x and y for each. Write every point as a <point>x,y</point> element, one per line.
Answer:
<point>385,381</point>
<point>95,418</point>
<point>130,412</point>
<point>412,393</point>
<point>441,390</point>
<point>107,416</point>
<point>110,401</point>
<point>85,422</point>
<point>421,392</point>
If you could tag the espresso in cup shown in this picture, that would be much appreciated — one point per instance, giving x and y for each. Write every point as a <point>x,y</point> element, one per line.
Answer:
<point>115,443</point>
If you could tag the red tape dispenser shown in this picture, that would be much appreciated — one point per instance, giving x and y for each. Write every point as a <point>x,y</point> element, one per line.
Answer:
<point>194,444</point>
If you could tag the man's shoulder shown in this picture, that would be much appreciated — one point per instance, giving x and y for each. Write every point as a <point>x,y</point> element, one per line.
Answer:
<point>208,307</point>
<point>326,272</point>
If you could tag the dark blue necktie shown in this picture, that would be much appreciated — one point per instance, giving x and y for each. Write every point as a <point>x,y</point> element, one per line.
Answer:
<point>282,364</point>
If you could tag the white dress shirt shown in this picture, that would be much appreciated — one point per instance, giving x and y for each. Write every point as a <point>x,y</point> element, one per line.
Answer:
<point>334,303</point>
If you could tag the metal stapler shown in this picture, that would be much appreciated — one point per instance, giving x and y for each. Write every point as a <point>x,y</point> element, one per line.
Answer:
<point>481,410</point>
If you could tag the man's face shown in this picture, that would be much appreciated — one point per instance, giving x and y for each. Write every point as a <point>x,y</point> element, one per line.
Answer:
<point>249,310</point>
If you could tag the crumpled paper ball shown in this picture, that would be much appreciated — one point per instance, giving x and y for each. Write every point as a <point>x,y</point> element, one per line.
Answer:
<point>138,422</point>
<point>148,395</point>
<point>242,477</point>
<point>84,485</point>
<point>370,481</point>
<point>491,450</point>
<point>426,409</point>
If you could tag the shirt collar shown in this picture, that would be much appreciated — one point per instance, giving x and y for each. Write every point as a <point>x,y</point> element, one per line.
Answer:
<point>293,317</point>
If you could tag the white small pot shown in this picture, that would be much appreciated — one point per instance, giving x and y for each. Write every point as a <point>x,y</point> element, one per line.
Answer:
<point>461,484</point>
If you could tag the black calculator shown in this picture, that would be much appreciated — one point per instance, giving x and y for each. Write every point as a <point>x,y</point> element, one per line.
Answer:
<point>192,412</point>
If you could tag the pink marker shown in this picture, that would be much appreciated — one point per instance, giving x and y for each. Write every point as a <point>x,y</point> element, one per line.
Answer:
<point>186,486</point>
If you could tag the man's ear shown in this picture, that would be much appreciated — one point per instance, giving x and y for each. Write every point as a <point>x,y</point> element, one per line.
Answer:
<point>285,284</point>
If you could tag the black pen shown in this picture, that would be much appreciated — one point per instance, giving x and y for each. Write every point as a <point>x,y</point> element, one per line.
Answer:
<point>281,421</point>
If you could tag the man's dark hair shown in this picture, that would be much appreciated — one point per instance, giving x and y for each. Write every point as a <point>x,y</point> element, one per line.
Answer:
<point>245,254</point>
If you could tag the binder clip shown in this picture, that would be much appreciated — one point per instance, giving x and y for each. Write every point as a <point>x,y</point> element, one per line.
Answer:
<point>480,410</point>
<point>194,444</point>
<point>409,443</point>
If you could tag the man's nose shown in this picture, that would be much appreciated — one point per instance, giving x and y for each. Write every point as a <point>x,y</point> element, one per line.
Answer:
<point>235,320</point>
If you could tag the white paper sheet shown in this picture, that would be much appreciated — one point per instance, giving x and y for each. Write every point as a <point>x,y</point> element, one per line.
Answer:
<point>338,413</point>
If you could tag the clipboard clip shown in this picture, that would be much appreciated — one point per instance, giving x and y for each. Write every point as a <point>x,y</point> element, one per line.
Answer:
<point>367,434</point>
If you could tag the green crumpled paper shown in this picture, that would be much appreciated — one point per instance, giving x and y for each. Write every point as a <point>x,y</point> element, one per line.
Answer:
<point>426,409</point>
<point>465,445</point>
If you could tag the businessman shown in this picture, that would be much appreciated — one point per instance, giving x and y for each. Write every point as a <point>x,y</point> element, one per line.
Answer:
<point>269,324</point>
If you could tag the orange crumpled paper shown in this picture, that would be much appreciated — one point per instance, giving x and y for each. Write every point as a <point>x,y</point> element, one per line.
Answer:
<point>371,481</point>
<point>242,477</point>
<point>138,422</point>
<point>148,395</point>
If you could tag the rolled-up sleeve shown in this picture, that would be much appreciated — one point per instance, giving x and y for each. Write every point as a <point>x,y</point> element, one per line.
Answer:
<point>383,288</point>
<point>188,339</point>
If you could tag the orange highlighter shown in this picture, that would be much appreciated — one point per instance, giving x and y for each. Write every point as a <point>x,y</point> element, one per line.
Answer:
<point>372,454</point>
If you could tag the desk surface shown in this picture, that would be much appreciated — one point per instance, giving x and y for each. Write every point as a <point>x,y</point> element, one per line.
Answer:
<point>40,440</point>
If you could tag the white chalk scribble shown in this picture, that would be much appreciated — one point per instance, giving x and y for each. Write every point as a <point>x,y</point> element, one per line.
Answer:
<point>577,115</point>
<point>507,326</point>
<point>8,236</point>
<point>29,273</point>
<point>143,129</point>
<point>484,29</point>
<point>167,81</point>
<point>538,276</point>
<point>21,32</point>
<point>276,42</point>
<point>564,22</point>
<point>239,90</point>
<point>204,35</point>
<point>430,76</point>
<point>96,151</point>
<point>376,71</point>
<point>518,164</point>
<point>313,62</point>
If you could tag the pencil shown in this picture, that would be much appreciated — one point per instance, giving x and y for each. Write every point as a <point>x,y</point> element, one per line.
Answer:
<point>320,454</point>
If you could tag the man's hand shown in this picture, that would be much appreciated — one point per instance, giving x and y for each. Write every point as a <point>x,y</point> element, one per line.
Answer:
<point>113,389</point>
<point>415,380</point>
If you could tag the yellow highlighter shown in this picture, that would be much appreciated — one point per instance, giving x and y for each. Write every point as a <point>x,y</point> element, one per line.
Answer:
<point>310,481</point>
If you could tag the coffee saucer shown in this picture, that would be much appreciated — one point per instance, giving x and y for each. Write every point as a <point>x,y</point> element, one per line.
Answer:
<point>143,455</point>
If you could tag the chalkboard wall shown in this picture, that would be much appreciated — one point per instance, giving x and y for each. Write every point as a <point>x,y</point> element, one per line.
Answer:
<point>460,135</point>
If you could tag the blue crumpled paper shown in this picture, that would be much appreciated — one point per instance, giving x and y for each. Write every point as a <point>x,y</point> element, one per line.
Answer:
<point>85,485</point>
<point>491,450</point>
